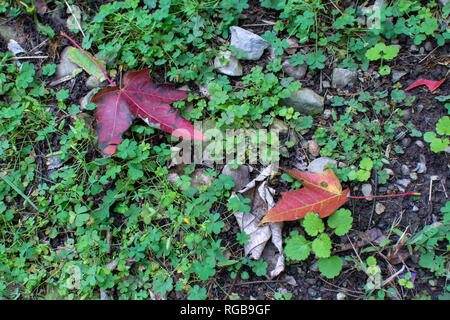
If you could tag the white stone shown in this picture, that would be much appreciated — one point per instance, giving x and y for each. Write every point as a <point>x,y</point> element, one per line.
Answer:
<point>252,44</point>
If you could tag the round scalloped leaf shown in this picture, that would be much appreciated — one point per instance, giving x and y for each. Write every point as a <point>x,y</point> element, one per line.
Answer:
<point>341,221</point>
<point>443,126</point>
<point>313,224</point>
<point>297,248</point>
<point>330,267</point>
<point>322,246</point>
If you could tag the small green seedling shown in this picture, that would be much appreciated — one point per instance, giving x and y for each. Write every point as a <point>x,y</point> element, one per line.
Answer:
<point>382,52</point>
<point>299,248</point>
<point>406,280</point>
<point>439,144</point>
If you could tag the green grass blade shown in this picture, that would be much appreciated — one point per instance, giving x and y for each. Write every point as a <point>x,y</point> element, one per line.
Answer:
<point>12,185</point>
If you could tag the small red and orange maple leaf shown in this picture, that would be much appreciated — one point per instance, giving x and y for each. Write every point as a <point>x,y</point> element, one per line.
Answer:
<point>321,193</point>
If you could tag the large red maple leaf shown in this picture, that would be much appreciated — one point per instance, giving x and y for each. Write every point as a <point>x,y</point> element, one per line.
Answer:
<point>143,98</point>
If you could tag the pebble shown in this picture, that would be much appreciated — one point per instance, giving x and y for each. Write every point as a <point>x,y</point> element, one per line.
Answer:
<point>280,126</point>
<point>296,72</point>
<point>87,98</point>
<point>415,208</point>
<point>413,176</point>
<point>313,148</point>
<point>317,165</point>
<point>404,182</point>
<point>340,296</point>
<point>413,48</point>
<point>428,46</point>
<point>406,142</point>
<point>15,47</point>
<point>92,82</point>
<point>405,170</point>
<point>231,68</point>
<point>312,292</point>
<point>66,66</point>
<point>247,41</point>
<point>389,171</point>
<point>379,208</point>
<point>241,176</point>
<point>421,165</point>
<point>327,114</point>
<point>366,190</point>
<point>397,75</point>
<point>419,143</point>
<point>305,101</point>
<point>342,77</point>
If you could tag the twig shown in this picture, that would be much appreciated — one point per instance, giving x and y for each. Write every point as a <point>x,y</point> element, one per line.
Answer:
<point>260,282</point>
<point>374,199</point>
<point>428,55</point>
<point>40,45</point>
<point>387,196</point>
<point>443,188</point>
<point>28,57</point>
<point>336,7</point>
<point>431,188</point>
<point>385,282</point>
<point>60,80</point>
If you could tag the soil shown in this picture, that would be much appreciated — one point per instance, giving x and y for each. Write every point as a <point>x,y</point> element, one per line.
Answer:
<point>399,211</point>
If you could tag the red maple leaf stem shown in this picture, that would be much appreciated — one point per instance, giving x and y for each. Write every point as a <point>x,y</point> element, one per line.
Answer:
<point>90,57</point>
<point>386,196</point>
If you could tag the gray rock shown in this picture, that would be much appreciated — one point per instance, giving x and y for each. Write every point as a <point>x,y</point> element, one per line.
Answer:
<point>413,48</point>
<point>379,208</point>
<point>87,98</point>
<point>8,33</point>
<point>297,72</point>
<point>342,77</point>
<point>404,182</point>
<point>327,114</point>
<point>231,68</point>
<point>92,82</point>
<point>406,142</point>
<point>247,41</point>
<point>428,46</point>
<point>15,47</point>
<point>421,165</point>
<point>241,176</point>
<point>405,170</point>
<point>326,84</point>
<point>413,176</point>
<point>317,165</point>
<point>366,190</point>
<point>280,126</point>
<point>340,296</point>
<point>397,75</point>
<point>305,101</point>
<point>312,292</point>
<point>66,66</point>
